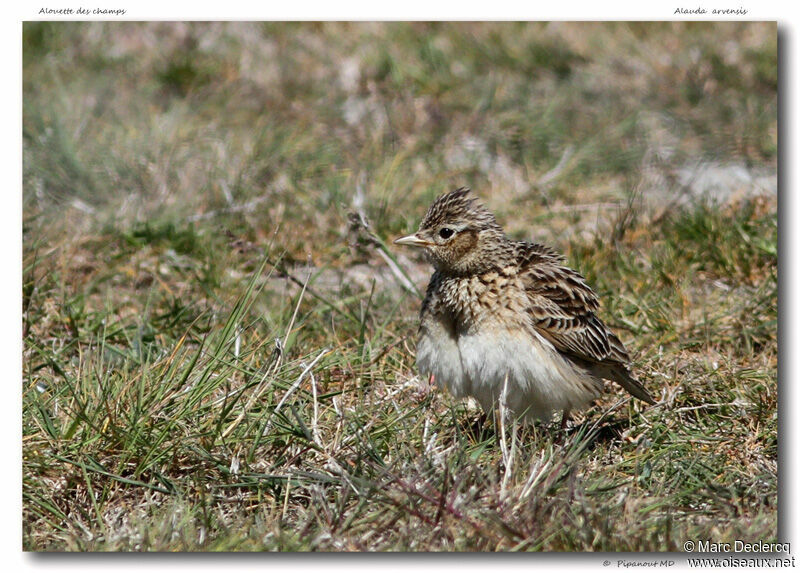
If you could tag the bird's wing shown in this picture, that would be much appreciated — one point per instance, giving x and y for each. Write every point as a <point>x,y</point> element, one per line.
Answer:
<point>563,308</point>
<point>569,325</point>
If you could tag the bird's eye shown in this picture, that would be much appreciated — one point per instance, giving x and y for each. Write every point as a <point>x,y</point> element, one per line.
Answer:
<point>446,233</point>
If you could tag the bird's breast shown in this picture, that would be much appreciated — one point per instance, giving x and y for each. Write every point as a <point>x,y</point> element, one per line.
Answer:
<point>478,301</point>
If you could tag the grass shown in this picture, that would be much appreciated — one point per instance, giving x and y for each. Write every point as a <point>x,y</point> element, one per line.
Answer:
<point>219,344</point>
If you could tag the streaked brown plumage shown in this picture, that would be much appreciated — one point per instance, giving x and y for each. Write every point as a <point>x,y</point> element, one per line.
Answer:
<point>506,320</point>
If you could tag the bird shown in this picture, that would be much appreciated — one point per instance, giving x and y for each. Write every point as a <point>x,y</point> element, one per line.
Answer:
<point>507,322</point>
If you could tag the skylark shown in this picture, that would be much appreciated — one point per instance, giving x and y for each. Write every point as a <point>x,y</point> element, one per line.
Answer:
<point>506,322</point>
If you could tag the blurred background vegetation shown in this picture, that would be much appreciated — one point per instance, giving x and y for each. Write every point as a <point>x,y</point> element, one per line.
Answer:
<point>161,160</point>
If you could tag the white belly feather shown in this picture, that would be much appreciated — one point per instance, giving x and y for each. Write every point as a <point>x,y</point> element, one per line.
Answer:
<point>538,379</point>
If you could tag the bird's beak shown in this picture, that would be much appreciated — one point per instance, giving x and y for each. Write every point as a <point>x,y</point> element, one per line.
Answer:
<point>411,241</point>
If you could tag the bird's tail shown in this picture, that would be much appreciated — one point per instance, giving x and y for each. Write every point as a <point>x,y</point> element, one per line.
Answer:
<point>619,374</point>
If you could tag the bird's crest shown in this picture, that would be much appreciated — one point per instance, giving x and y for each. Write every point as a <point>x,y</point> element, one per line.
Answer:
<point>458,206</point>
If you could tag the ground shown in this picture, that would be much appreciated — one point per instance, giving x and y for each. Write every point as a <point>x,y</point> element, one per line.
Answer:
<point>219,334</point>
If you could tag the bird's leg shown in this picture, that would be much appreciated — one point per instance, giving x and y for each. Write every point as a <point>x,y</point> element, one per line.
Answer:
<point>424,389</point>
<point>564,420</point>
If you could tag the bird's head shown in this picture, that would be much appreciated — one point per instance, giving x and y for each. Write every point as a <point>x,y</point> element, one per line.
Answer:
<point>459,235</point>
